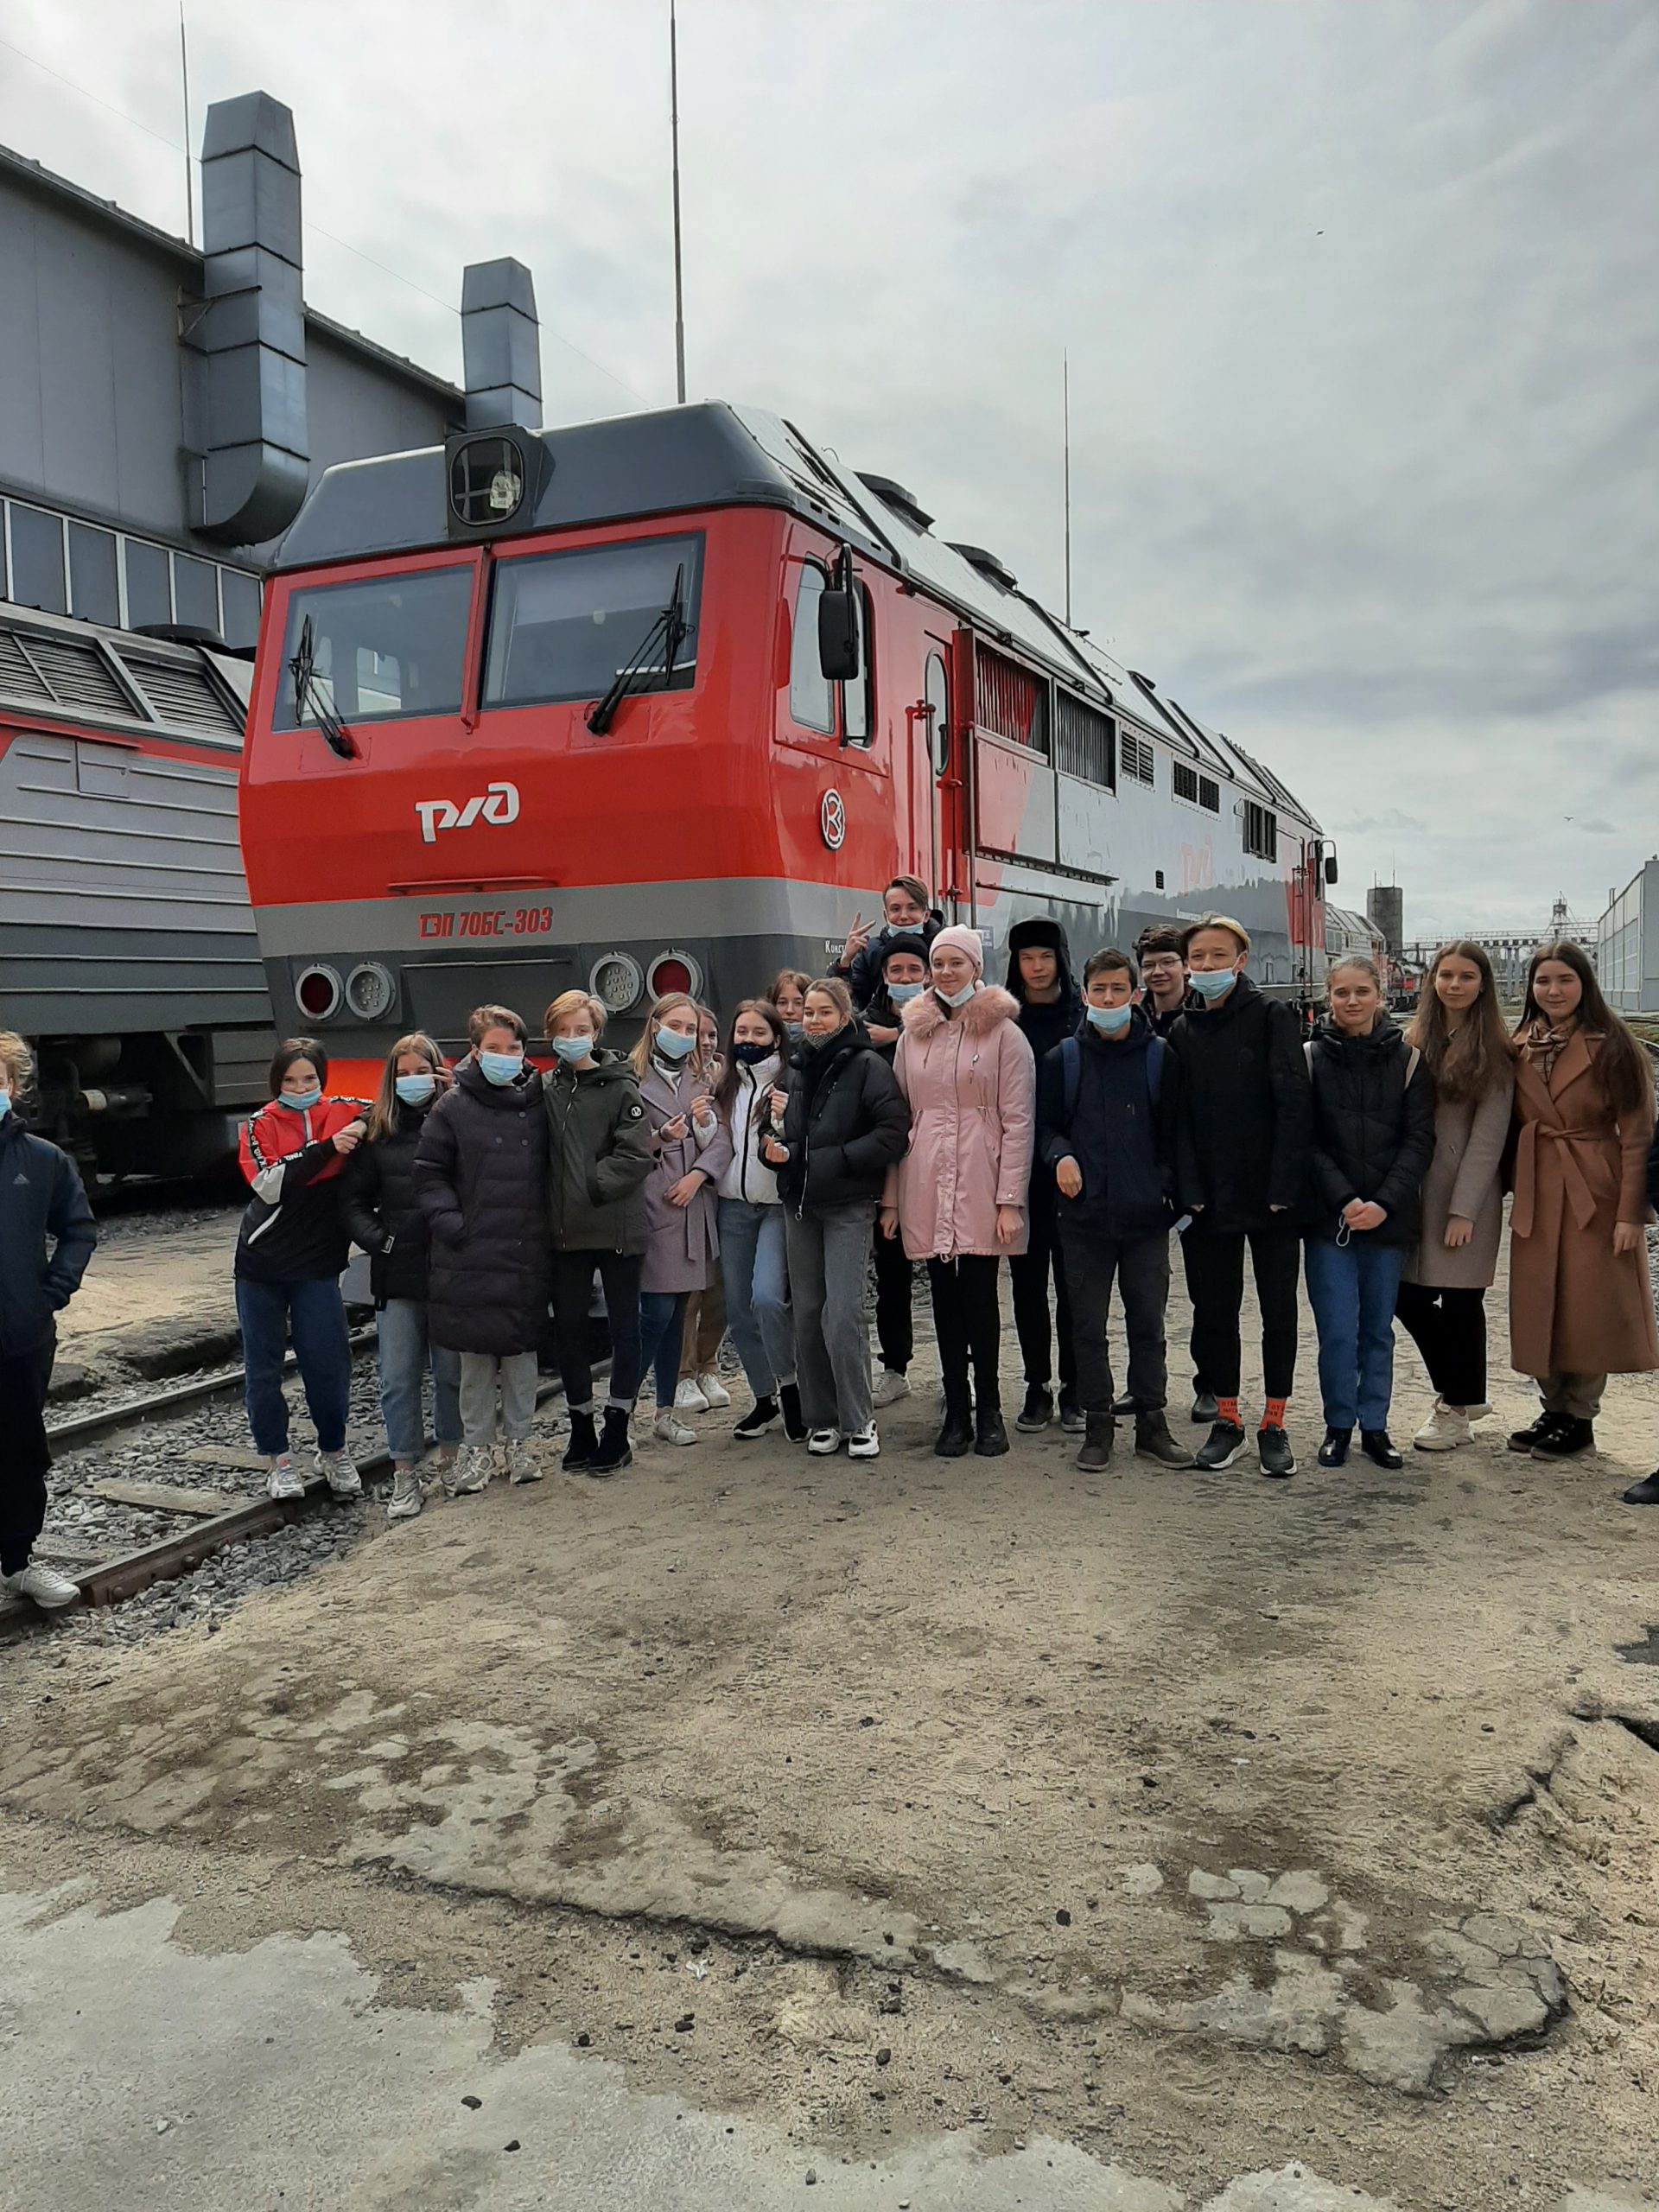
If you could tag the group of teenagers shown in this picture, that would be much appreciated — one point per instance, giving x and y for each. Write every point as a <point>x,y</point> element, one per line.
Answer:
<point>903,1109</point>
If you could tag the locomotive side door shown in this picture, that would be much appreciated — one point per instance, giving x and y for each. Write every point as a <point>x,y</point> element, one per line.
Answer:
<point>938,730</point>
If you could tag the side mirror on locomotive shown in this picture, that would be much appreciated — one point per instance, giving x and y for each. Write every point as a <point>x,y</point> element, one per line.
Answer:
<point>1330,867</point>
<point>840,653</point>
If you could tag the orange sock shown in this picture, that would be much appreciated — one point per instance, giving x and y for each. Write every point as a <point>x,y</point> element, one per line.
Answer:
<point>1273,1414</point>
<point>1227,1409</point>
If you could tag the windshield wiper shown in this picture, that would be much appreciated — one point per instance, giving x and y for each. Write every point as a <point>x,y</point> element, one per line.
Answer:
<point>308,697</point>
<point>672,627</point>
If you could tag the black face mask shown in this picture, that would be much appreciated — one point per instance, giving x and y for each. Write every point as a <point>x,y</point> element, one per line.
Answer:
<point>750,1055</point>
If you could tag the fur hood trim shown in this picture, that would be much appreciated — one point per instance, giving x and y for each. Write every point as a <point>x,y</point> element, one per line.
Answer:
<point>988,1006</point>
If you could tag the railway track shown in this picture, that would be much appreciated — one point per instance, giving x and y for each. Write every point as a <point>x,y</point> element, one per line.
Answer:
<point>105,1421</point>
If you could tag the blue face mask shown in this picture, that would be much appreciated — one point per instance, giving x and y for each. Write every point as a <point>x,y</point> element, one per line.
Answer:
<point>415,1090</point>
<point>300,1101</point>
<point>572,1049</point>
<point>674,1043</point>
<point>500,1067</point>
<point>795,1028</point>
<point>902,993</point>
<point>5,1104</point>
<point>1111,1020</point>
<point>955,998</point>
<point>1213,982</point>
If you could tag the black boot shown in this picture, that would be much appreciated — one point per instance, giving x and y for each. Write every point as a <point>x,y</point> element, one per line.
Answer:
<point>1377,1443</point>
<point>955,1436</point>
<point>1096,1451</point>
<point>990,1438</point>
<point>1523,1439</point>
<point>1333,1452</point>
<point>1073,1417</point>
<point>1646,1492</point>
<point>1039,1408</point>
<point>584,1442</point>
<point>1154,1442</point>
<point>789,1397</point>
<point>1204,1408</point>
<point>1565,1440</point>
<point>615,1451</point>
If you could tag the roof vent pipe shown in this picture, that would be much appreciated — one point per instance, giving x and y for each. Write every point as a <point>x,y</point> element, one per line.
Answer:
<point>500,345</point>
<point>253,330</point>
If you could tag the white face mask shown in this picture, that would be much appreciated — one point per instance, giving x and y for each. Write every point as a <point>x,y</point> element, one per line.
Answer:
<point>957,998</point>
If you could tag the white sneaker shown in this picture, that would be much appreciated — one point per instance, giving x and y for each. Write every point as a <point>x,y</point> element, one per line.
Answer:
<point>44,1584</point>
<point>866,1445</point>
<point>667,1430</point>
<point>714,1393</point>
<point>285,1479</point>
<point>1443,1431</point>
<point>689,1399</point>
<point>473,1466</point>
<point>522,1464</point>
<point>407,1496</point>
<point>339,1471</point>
<point>822,1441</point>
<point>890,1386</point>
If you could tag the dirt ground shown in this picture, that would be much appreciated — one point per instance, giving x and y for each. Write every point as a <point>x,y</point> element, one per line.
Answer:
<point>154,1274</point>
<point>1204,1824</point>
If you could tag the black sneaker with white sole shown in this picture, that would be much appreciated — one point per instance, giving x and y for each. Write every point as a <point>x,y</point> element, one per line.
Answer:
<point>789,1399</point>
<point>1220,1448</point>
<point>762,1416</point>
<point>1272,1449</point>
<point>1038,1410</point>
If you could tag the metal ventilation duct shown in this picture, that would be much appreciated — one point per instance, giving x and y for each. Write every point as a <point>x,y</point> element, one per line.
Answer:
<point>500,345</point>
<point>253,330</point>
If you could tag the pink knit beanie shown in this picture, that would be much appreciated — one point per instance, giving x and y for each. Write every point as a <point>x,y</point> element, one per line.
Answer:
<point>964,940</point>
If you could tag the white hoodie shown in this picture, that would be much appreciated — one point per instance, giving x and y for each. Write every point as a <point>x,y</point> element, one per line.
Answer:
<point>748,1176</point>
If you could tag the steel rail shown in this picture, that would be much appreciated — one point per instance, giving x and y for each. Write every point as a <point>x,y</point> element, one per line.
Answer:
<point>79,1427</point>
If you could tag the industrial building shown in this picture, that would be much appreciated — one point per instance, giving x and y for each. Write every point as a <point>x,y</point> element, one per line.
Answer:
<point>1627,944</point>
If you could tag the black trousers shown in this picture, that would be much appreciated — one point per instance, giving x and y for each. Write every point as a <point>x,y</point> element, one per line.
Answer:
<point>1030,1271</point>
<point>967,1322</point>
<point>1449,1328</point>
<point>1215,1277</point>
<point>24,1454</point>
<point>1199,1386</point>
<point>573,1291</point>
<point>1140,1265</point>
<point>895,1328</point>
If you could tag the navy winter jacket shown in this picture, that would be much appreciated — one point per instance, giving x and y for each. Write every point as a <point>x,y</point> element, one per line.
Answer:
<point>40,1195</point>
<point>1114,1133</point>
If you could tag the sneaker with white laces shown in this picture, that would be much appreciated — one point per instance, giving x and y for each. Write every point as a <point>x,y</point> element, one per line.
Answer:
<point>865,1445</point>
<point>892,1384</point>
<point>822,1441</point>
<point>407,1496</point>
<point>522,1464</point>
<point>714,1393</point>
<point>473,1466</point>
<point>667,1430</point>
<point>339,1471</point>
<point>44,1584</point>
<point>1445,1428</point>
<point>688,1398</point>
<point>284,1478</point>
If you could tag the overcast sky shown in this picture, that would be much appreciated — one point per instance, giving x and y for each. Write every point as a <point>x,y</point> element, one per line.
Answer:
<point>1360,298</point>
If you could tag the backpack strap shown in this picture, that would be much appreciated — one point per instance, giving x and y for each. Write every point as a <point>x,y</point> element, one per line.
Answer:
<point>1156,1052</point>
<point>1071,1078</point>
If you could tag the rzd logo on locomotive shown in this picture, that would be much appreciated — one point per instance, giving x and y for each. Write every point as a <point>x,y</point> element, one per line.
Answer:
<point>498,804</point>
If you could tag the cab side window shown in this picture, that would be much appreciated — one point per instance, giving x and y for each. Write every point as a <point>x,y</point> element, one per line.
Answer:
<point>812,696</point>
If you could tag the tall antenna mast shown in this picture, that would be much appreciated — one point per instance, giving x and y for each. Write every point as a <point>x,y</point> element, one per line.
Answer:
<point>674,129</point>
<point>184,75</point>
<point>1065,424</point>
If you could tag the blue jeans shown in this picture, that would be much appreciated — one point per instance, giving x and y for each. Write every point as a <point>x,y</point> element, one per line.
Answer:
<point>751,1261</point>
<point>314,1311</point>
<point>662,1325</point>
<point>1352,1289</point>
<point>404,1356</point>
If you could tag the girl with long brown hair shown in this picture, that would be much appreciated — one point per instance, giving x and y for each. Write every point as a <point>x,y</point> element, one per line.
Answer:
<point>1458,1029</point>
<point>1580,1305</point>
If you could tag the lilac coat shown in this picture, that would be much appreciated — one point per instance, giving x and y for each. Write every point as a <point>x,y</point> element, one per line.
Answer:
<point>970,1081</point>
<point>682,1242</point>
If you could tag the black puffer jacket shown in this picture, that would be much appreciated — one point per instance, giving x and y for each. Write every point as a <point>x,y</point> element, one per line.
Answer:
<point>601,1157</point>
<point>845,1123</point>
<point>1115,1133</point>
<point>382,1210</point>
<point>1373,1132</point>
<point>40,1195</point>
<point>480,1173</point>
<point>1235,1093</point>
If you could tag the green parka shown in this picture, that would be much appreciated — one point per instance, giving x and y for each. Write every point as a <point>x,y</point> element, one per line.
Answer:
<point>600,1155</point>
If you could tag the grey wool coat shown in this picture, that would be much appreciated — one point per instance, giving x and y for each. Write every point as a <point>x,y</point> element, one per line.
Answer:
<point>682,1242</point>
<point>1464,1178</point>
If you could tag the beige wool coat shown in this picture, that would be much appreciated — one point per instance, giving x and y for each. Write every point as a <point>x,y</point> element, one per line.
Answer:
<point>1576,1307</point>
<point>1464,1177</point>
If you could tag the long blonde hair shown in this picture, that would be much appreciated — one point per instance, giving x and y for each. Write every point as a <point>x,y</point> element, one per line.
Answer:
<point>639,1058</point>
<point>1466,1062</point>
<point>382,1115</point>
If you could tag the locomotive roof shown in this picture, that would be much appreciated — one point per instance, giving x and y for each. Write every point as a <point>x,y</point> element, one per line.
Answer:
<point>716,454</point>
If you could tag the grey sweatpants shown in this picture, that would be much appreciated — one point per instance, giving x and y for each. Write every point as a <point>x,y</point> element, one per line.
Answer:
<point>1576,1397</point>
<point>480,1372</point>
<point>828,1259</point>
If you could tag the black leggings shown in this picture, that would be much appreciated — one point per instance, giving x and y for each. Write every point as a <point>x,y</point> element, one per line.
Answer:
<point>573,1291</point>
<point>1449,1329</point>
<point>894,1325</point>
<point>1029,1273</point>
<point>968,1322</point>
<point>1215,1277</point>
<point>24,1453</point>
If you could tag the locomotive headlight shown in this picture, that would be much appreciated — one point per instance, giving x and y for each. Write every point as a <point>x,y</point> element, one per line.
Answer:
<point>370,991</point>
<point>317,992</point>
<point>616,981</point>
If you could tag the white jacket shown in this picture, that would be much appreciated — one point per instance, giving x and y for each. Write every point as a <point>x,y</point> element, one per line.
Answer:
<point>748,1176</point>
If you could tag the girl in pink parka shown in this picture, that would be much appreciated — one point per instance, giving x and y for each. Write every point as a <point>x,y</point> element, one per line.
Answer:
<point>959,1196</point>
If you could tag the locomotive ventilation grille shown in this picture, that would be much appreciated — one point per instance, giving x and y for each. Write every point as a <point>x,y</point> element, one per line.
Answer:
<point>90,675</point>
